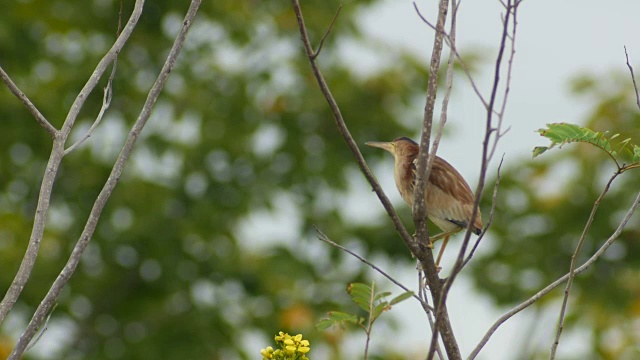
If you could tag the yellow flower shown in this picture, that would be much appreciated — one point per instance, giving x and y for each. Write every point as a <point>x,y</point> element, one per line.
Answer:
<point>291,347</point>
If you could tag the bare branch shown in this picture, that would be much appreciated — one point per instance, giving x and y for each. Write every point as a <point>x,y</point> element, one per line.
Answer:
<point>323,237</point>
<point>458,56</point>
<point>29,259</point>
<point>494,202</point>
<point>489,128</point>
<point>335,17</point>
<point>106,98</point>
<point>422,293</point>
<point>572,267</point>
<point>415,247</point>
<point>106,102</point>
<point>633,77</point>
<point>558,282</point>
<point>30,106</point>
<point>43,329</point>
<point>442,323</point>
<point>68,270</point>
<point>346,135</point>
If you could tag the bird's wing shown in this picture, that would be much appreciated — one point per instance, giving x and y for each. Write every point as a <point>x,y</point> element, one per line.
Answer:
<point>448,179</point>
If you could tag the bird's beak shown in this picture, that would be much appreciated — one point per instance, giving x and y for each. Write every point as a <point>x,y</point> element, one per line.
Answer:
<point>382,145</point>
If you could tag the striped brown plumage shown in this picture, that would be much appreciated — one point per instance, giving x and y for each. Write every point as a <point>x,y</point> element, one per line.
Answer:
<point>448,196</point>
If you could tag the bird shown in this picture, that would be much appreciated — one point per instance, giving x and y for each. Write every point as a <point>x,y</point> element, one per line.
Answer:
<point>448,196</point>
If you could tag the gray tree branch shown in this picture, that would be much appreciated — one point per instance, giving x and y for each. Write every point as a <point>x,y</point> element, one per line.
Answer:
<point>63,278</point>
<point>57,153</point>
<point>30,106</point>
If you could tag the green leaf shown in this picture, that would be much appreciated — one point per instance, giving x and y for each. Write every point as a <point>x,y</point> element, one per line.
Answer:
<point>361,294</point>
<point>382,295</point>
<point>539,150</point>
<point>324,324</point>
<point>402,297</point>
<point>336,318</point>
<point>564,133</point>
<point>636,153</point>
<point>379,309</point>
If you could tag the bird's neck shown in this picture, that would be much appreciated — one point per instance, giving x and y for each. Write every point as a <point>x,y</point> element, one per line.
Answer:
<point>404,173</point>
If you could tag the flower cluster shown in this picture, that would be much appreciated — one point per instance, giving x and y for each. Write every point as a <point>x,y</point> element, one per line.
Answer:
<point>291,348</point>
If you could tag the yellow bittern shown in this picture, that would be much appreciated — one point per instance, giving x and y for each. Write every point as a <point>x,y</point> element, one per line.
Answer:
<point>448,197</point>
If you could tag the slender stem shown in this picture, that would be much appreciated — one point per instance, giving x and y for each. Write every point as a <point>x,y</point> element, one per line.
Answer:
<point>323,237</point>
<point>63,278</point>
<point>494,202</point>
<point>29,105</point>
<point>633,77</point>
<point>572,267</point>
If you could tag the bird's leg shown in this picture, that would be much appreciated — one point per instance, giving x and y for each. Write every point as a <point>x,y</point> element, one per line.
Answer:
<point>446,234</point>
<point>444,245</point>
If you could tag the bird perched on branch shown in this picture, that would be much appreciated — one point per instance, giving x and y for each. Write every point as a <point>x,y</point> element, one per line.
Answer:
<point>448,197</point>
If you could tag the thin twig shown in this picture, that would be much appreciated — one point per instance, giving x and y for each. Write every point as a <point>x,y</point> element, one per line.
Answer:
<point>422,293</point>
<point>457,267</point>
<point>346,135</point>
<point>462,63</point>
<point>494,202</point>
<point>323,237</point>
<point>335,17</point>
<point>44,197</point>
<point>106,102</point>
<point>558,282</point>
<point>29,105</point>
<point>507,89</point>
<point>572,267</point>
<point>633,77</point>
<point>106,98</point>
<point>68,270</point>
<point>42,330</point>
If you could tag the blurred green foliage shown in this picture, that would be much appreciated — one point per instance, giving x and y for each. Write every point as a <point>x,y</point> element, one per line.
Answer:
<point>181,266</point>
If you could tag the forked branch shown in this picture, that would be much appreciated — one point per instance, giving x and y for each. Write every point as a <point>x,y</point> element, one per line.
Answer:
<point>63,278</point>
<point>44,197</point>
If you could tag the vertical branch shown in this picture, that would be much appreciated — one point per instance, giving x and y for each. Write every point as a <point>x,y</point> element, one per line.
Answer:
<point>63,278</point>
<point>419,206</point>
<point>511,10</point>
<point>57,151</point>
<point>424,160</point>
<point>633,78</point>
